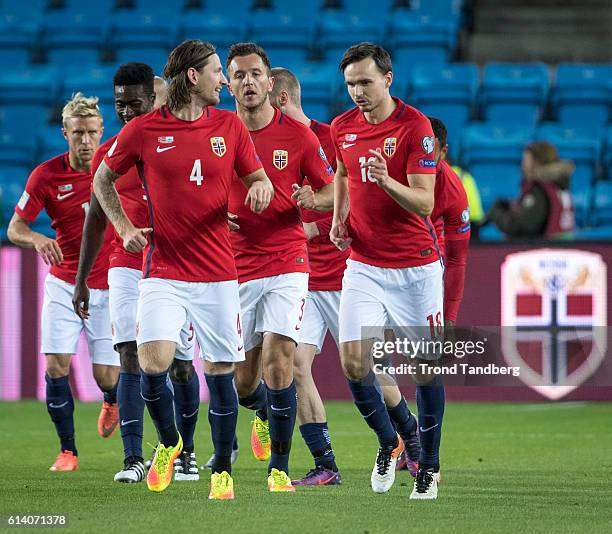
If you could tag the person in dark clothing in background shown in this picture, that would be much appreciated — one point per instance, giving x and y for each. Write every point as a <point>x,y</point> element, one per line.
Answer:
<point>544,207</point>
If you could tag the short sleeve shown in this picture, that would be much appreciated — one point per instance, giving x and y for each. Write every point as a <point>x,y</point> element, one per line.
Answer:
<point>34,197</point>
<point>420,148</point>
<point>126,150</point>
<point>314,162</point>
<point>334,138</point>
<point>246,161</point>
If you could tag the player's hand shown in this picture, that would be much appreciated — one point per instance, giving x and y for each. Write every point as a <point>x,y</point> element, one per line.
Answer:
<point>80,300</point>
<point>377,168</point>
<point>48,250</point>
<point>311,230</point>
<point>135,239</point>
<point>338,235</point>
<point>304,196</point>
<point>231,217</point>
<point>259,196</point>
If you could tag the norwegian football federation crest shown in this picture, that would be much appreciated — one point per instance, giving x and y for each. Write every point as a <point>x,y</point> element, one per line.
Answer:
<point>218,146</point>
<point>280,158</point>
<point>389,146</point>
<point>553,319</point>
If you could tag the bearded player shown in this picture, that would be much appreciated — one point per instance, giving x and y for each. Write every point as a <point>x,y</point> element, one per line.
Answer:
<point>134,96</point>
<point>186,154</point>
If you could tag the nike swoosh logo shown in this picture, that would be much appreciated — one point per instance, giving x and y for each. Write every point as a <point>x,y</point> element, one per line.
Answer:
<point>149,400</point>
<point>240,348</point>
<point>51,405</point>
<point>219,414</point>
<point>123,423</point>
<point>421,429</point>
<point>280,409</point>
<point>348,145</point>
<point>297,327</point>
<point>163,149</point>
<point>372,413</point>
<point>62,197</point>
<point>191,415</point>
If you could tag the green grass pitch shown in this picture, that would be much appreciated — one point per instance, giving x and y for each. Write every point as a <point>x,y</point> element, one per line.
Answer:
<point>506,468</point>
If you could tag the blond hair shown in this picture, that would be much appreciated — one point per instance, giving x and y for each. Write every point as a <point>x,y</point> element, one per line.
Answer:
<point>81,106</point>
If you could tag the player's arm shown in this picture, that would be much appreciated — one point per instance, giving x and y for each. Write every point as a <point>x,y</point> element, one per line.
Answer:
<point>338,233</point>
<point>321,200</point>
<point>454,277</point>
<point>260,190</point>
<point>134,239</point>
<point>20,234</point>
<point>418,198</point>
<point>91,242</point>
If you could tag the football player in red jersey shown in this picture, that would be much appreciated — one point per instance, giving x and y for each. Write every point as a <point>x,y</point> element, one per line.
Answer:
<point>134,96</point>
<point>321,313</point>
<point>327,265</point>
<point>271,257</point>
<point>61,187</point>
<point>186,154</point>
<point>386,166</point>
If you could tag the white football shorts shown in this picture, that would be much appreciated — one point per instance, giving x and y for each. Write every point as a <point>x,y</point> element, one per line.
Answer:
<point>212,308</point>
<point>320,315</point>
<point>409,300</point>
<point>61,327</point>
<point>273,304</point>
<point>123,299</point>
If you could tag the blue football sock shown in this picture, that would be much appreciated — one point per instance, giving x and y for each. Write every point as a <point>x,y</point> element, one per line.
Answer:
<point>369,401</point>
<point>110,395</point>
<point>316,436</point>
<point>186,408</point>
<point>131,413</point>
<point>222,416</point>
<point>257,401</point>
<point>403,420</point>
<point>156,390</point>
<point>60,406</point>
<point>430,402</point>
<point>282,406</point>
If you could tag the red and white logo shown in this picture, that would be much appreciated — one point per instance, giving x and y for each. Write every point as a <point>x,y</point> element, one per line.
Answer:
<point>553,317</point>
<point>218,146</point>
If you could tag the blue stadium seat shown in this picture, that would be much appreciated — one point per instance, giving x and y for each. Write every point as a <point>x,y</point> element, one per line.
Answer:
<point>303,8</point>
<point>379,13</point>
<point>51,143</point>
<point>17,38</point>
<point>319,86</point>
<point>94,81</point>
<point>220,28</point>
<point>99,8</point>
<point>339,30</point>
<point>146,36</point>
<point>12,188</point>
<point>491,233</point>
<point>286,38</point>
<point>584,150</point>
<point>601,213</point>
<point>607,155</point>
<point>22,119</point>
<point>16,151</point>
<point>36,85</point>
<point>420,39</point>
<point>447,92</point>
<point>493,155</point>
<point>19,8</point>
<point>514,93</point>
<point>582,94</point>
<point>71,38</point>
<point>600,233</point>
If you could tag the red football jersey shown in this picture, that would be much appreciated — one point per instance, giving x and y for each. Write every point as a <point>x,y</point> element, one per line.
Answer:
<point>64,194</point>
<point>451,213</point>
<point>327,262</point>
<point>187,169</point>
<point>134,202</point>
<point>451,217</point>
<point>384,234</point>
<point>274,242</point>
